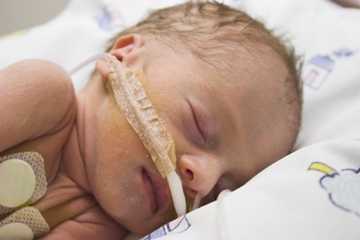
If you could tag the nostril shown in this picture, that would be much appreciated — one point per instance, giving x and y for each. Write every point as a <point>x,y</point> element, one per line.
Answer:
<point>119,57</point>
<point>189,174</point>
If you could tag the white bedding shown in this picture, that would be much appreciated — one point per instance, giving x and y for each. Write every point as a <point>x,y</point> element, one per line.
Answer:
<point>286,200</point>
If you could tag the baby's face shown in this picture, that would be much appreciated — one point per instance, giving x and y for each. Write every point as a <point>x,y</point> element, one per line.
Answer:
<point>212,117</point>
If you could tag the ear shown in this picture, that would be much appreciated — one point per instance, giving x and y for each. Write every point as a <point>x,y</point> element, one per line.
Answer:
<point>126,46</point>
<point>126,49</point>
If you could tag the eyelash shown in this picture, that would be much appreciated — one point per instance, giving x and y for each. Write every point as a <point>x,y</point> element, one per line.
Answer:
<point>197,125</point>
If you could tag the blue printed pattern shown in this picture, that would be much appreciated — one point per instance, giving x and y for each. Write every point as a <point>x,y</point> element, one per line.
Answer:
<point>342,187</point>
<point>317,70</point>
<point>179,225</point>
<point>109,20</point>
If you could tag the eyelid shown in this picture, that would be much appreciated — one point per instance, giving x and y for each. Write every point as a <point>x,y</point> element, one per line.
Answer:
<point>207,124</point>
<point>197,122</point>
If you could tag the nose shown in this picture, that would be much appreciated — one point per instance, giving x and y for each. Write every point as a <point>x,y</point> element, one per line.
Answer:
<point>199,174</point>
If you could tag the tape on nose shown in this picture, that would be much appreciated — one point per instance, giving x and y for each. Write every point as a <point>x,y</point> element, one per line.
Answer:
<point>17,183</point>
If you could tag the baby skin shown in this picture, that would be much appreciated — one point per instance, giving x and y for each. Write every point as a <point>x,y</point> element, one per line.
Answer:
<point>228,122</point>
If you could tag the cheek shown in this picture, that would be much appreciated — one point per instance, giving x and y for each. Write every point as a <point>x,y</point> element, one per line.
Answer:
<point>116,138</point>
<point>119,157</point>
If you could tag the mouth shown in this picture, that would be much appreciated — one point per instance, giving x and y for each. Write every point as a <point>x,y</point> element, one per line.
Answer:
<point>157,191</point>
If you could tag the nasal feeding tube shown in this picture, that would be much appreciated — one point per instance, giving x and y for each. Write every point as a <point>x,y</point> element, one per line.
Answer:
<point>132,99</point>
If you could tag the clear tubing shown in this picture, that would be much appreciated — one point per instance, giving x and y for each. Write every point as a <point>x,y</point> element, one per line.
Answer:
<point>197,201</point>
<point>177,193</point>
<point>86,62</point>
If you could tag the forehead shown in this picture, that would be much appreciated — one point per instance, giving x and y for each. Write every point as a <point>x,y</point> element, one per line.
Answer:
<point>238,81</point>
<point>175,74</point>
<point>177,63</point>
<point>231,82</point>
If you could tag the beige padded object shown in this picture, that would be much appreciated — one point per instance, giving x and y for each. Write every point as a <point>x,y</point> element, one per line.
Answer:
<point>16,231</point>
<point>36,162</point>
<point>30,217</point>
<point>17,183</point>
<point>142,116</point>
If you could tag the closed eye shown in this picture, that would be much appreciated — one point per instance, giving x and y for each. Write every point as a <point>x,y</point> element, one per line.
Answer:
<point>201,134</point>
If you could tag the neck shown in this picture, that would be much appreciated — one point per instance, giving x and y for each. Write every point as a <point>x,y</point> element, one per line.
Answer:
<point>74,164</point>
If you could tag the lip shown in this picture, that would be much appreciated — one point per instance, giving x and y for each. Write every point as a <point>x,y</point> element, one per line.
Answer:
<point>157,190</point>
<point>149,189</point>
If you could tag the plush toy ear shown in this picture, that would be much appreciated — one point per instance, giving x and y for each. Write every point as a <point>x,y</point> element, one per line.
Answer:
<point>124,49</point>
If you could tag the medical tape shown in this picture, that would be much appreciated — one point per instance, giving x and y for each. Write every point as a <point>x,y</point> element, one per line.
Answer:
<point>28,216</point>
<point>36,163</point>
<point>131,97</point>
<point>140,113</point>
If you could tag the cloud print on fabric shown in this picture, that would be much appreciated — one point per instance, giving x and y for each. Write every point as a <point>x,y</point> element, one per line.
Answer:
<point>343,187</point>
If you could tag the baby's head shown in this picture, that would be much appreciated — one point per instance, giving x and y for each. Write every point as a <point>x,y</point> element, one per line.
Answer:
<point>228,92</point>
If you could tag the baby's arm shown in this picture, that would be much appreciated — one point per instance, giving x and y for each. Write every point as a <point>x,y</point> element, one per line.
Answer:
<point>36,98</point>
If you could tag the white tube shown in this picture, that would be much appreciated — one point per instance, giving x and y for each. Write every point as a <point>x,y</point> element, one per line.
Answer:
<point>86,62</point>
<point>177,193</point>
<point>197,202</point>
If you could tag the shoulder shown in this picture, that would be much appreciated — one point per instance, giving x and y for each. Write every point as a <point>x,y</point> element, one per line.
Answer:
<point>43,83</point>
<point>37,97</point>
<point>41,76</point>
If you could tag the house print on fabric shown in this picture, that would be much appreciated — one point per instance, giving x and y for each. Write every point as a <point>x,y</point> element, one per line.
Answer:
<point>317,71</point>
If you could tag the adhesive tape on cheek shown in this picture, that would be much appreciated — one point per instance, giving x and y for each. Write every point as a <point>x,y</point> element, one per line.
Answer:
<point>140,113</point>
<point>142,116</point>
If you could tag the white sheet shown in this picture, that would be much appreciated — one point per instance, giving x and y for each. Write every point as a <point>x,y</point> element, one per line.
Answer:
<point>286,200</point>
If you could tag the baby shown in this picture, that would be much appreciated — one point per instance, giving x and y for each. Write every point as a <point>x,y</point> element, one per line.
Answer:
<point>226,89</point>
